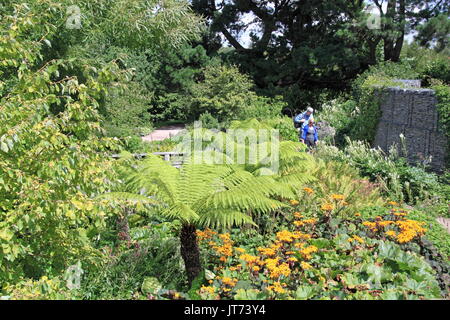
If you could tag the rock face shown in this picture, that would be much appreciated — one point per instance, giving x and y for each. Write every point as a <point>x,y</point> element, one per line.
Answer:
<point>413,113</point>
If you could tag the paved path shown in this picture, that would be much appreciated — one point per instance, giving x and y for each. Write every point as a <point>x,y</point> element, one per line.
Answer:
<point>164,133</point>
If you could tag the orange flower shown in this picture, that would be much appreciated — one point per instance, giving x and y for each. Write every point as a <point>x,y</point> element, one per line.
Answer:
<point>298,215</point>
<point>308,190</point>
<point>337,197</point>
<point>267,251</point>
<point>305,265</point>
<point>327,207</point>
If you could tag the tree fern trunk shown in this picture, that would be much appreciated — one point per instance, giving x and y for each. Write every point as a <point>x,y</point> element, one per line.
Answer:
<point>123,227</point>
<point>190,252</point>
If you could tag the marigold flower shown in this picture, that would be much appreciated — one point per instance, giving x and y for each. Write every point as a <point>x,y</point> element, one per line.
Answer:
<point>371,225</point>
<point>277,287</point>
<point>228,281</point>
<point>240,250</point>
<point>294,202</point>
<point>249,258</point>
<point>299,223</point>
<point>300,235</point>
<point>357,214</point>
<point>256,268</point>
<point>393,203</point>
<point>327,207</point>
<point>298,215</point>
<point>308,190</point>
<point>267,251</point>
<point>391,233</point>
<point>305,265</point>
<point>385,223</point>
<point>337,197</point>
<point>285,235</point>
<point>292,259</point>
<point>208,289</point>
<point>310,221</point>
<point>358,238</point>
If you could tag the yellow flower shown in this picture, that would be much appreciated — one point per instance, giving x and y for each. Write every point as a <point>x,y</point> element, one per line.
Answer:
<point>299,223</point>
<point>337,197</point>
<point>393,203</point>
<point>391,233</point>
<point>327,207</point>
<point>298,215</point>
<point>249,258</point>
<point>357,214</point>
<point>267,251</point>
<point>240,250</point>
<point>308,190</point>
<point>294,202</point>
<point>285,235</point>
<point>371,225</point>
<point>300,235</point>
<point>277,287</point>
<point>208,289</point>
<point>359,239</point>
<point>256,268</point>
<point>299,245</point>
<point>228,281</point>
<point>292,259</point>
<point>305,265</point>
<point>385,223</point>
<point>310,221</point>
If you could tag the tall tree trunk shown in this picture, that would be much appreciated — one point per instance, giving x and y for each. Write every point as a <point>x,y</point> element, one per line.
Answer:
<point>394,29</point>
<point>190,252</point>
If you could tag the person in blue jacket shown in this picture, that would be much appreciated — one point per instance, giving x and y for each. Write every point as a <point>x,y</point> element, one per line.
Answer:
<point>309,134</point>
<point>301,120</point>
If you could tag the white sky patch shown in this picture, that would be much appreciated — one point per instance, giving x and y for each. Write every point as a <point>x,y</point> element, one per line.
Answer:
<point>244,36</point>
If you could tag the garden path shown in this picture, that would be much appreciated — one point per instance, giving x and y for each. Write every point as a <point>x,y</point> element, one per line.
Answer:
<point>164,133</point>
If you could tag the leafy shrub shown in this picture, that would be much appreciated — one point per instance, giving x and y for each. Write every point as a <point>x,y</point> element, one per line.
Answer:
<point>398,180</point>
<point>126,112</point>
<point>42,289</point>
<point>263,108</point>
<point>152,253</point>
<point>208,121</point>
<point>224,93</point>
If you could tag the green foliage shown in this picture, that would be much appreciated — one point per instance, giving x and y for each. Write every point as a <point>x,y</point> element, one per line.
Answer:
<point>443,96</point>
<point>224,93</point>
<point>126,112</point>
<point>42,289</point>
<point>138,24</point>
<point>342,179</point>
<point>153,256</point>
<point>398,180</point>
<point>51,164</point>
<point>428,63</point>
<point>263,108</point>
<point>208,121</point>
